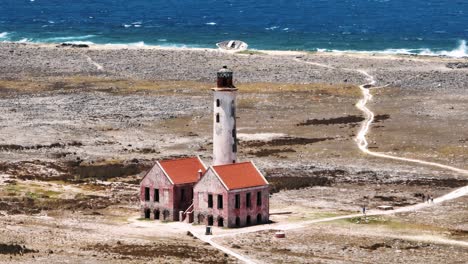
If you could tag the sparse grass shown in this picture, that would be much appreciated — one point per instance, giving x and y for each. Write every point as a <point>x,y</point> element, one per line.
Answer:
<point>251,52</point>
<point>305,216</point>
<point>387,223</point>
<point>453,150</point>
<point>247,103</point>
<point>86,83</point>
<point>145,219</point>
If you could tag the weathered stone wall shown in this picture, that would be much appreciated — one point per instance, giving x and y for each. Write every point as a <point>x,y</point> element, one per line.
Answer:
<point>253,211</point>
<point>155,179</point>
<point>210,184</point>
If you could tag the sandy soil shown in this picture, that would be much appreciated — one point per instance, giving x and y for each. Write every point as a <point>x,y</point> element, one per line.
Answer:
<point>78,128</point>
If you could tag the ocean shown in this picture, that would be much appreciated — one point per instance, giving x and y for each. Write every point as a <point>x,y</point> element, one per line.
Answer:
<point>428,27</point>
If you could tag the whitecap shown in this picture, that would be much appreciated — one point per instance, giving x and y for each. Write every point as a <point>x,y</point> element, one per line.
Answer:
<point>272,28</point>
<point>3,34</point>
<point>137,25</point>
<point>24,40</point>
<point>127,26</point>
<point>210,23</point>
<point>51,22</point>
<point>162,40</point>
<point>285,29</point>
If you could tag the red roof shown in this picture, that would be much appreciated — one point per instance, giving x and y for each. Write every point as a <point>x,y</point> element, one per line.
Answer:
<point>240,175</point>
<point>183,170</point>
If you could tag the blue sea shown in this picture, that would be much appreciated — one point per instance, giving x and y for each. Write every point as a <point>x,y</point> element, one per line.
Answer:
<point>430,27</point>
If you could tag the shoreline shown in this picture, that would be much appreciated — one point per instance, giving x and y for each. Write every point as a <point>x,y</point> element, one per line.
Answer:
<point>360,54</point>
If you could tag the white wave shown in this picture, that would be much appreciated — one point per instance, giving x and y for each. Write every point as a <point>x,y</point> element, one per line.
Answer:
<point>127,45</point>
<point>459,52</point>
<point>127,26</point>
<point>137,25</point>
<point>272,28</point>
<point>58,39</point>
<point>78,42</point>
<point>24,40</point>
<point>211,23</point>
<point>3,34</point>
<point>162,40</point>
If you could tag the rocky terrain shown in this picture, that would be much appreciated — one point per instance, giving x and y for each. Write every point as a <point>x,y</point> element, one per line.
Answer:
<point>80,126</point>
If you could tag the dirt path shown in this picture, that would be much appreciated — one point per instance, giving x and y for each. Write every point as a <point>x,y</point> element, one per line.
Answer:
<point>361,136</point>
<point>363,146</point>
<point>98,66</point>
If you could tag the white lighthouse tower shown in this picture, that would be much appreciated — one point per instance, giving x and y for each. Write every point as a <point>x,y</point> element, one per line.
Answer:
<point>224,121</point>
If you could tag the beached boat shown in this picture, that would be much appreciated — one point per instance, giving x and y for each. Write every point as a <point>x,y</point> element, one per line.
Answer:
<point>234,45</point>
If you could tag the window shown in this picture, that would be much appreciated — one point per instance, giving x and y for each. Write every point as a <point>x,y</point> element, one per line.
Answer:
<point>248,201</point>
<point>237,201</point>
<point>233,109</point>
<point>147,193</point>
<point>156,195</point>
<point>259,198</point>
<point>218,103</point>
<point>210,201</point>
<point>248,220</point>
<point>220,201</point>
<point>182,195</point>
<point>234,147</point>
<point>217,118</point>
<point>234,133</point>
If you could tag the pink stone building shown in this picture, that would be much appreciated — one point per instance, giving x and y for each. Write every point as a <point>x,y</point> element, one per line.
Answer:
<point>227,194</point>
<point>167,188</point>
<point>231,195</point>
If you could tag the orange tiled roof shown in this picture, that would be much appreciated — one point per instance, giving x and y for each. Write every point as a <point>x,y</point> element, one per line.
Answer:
<point>240,175</point>
<point>183,170</point>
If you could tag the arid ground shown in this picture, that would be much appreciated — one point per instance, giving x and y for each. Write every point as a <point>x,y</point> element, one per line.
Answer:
<point>80,126</point>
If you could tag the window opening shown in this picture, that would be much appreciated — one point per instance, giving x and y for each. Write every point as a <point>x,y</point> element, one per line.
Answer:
<point>259,219</point>
<point>248,200</point>
<point>147,193</point>
<point>156,215</point>
<point>259,198</point>
<point>156,195</point>
<point>147,213</point>
<point>237,201</point>
<point>220,201</point>
<point>210,201</point>
<point>237,221</point>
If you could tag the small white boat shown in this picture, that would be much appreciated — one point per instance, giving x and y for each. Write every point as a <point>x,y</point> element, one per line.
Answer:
<point>234,45</point>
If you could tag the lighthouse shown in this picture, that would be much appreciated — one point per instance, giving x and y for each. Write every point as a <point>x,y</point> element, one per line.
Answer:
<point>224,119</point>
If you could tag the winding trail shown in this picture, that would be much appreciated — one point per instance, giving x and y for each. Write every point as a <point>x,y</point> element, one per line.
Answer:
<point>361,136</point>
<point>98,66</point>
<point>363,146</point>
